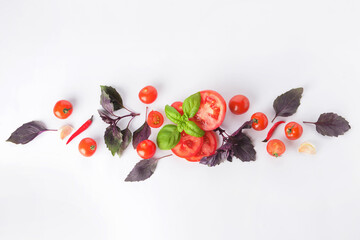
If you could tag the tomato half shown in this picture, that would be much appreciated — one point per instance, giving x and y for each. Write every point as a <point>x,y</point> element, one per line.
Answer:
<point>148,94</point>
<point>146,149</point>
<point>178,107</point>
<point>188,146</point>
<point>208,147</point>
<point>87,147</point>
<point>155,119</point>
<point>63,109</point>
<point>211,112</point>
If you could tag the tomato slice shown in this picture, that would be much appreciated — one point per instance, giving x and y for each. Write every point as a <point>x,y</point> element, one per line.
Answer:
<point>188,146</point>
<point>212,110</point>
<point>208,147</point>
<point>155,119</point>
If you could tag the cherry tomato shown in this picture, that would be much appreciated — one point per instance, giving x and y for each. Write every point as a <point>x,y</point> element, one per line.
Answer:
<point>208,147</point>
<point>155,119</point>
<point>275,147</point>
<point>87,147</point>
<point>188,146</point>
<point>148,94</point>
<point>178,107</point>
<point>211,112</point>
<point>260,121</point>
<point>146,149</point>
<point>293,130</point>
<point>239,104</point>
<point>63,109</point>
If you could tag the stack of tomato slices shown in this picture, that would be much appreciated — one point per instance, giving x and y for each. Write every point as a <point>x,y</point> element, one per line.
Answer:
<point>210,116</point>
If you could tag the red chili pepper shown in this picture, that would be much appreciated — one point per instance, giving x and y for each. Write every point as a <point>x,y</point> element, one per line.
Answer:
<point>272,130</point>
<point>81,129</point>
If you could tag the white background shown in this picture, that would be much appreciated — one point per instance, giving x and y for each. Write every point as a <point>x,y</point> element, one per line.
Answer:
<point>51,50</point>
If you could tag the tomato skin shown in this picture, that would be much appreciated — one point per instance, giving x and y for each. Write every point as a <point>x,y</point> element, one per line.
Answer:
<point>87,147</point>
<point>188,146</point>
<point>260,121</point>
<point>63,109</point>
<point>155,119</point>
<point>293,130</point>
<point>211,112</point>
<point>239,104</point>
<point>275,147</point>
<point>146,149</point>
<point>207,148</point>
<point>148,94</point>
<point>178,107</point>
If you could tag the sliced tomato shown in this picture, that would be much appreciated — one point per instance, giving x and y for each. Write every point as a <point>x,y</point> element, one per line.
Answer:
<point>211,112</point>
<point>188,146</point>
<point>208,147</point>
<point>178,107</point>
<point>155,119</point>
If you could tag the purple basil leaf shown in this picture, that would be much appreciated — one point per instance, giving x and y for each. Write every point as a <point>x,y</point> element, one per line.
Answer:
<point>287,103</point>
<point>27,132</point>
<point>126,139</point>
<point>243,148</point>
<point>142,170</point>
<point>141,134</point>
<point>106,103</point>
<point>114,96</point>
<point>331,124</point>
<point>113,138</point>
<point>221,154</point>
<point>246,125</point>
<point>105,116</point>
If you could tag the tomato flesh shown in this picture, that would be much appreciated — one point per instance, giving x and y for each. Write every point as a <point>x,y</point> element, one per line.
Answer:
<point>178,107</point>
<point>211,112</point>
<point>155,119</point>
<point>207,148</point>
<point>146,149</point>
<point>188,146</point>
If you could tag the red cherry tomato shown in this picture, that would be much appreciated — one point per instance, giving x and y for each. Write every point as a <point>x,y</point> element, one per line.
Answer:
<point>260,121</point>
<point>148,94</point>
<point>275,147</point>
<point>188,146</point>
<point>87,147</point>
<point>178,107</point>
<point>293,130</point>
<point>239,104</point>
<point>155,119</point>
<point>208,147</point>
<point>63,109</point>
<point>146,149</point>
<point>211,112</point>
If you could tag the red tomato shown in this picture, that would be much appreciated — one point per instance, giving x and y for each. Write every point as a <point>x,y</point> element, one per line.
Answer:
<point>148,94</point>
<point>178,107</point>
<point>155,119</point>
<point>208,147</point>
<point>146,149</point>
<point>293,130</point>
<point>188,146</point>
<point>239,104</point>
<point>211,112</point>
<point>63,109</point>
<point>87,147</point>
<point>275,147</point>
<point>260,121</point>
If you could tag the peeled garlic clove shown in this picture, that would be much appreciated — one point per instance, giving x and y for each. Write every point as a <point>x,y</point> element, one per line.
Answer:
<point>65,131</point>
<point>307,147</point>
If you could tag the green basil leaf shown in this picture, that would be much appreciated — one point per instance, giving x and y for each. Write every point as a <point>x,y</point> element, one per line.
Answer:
<point>168,137</point>
<point>191,105</point>
<point>192,129</point>
<point>172,114</point>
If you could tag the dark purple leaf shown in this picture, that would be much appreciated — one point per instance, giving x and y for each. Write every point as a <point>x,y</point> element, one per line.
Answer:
<point>331,124</point>
<point>287,104</point>
<point>243,148</point>
<point>106,102</point>
<point>126,140</point>
<point>114,96</point>
<point>141,134</point>
<point>113,138</point>
<point>105,116</point>
<point>27,132</point>
<point>246,125</point>
<point>221,154</point>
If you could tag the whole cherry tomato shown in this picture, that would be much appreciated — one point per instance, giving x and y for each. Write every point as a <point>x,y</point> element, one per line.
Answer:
<point>87,147</point>
<point>275,147</point>
<point>155,119</point>
<point>146,149</point>
<point>178,107</point>
<point>63,109</point>
<point>260,121</point>
<point>239,104</point>
<point>293,130</point>
<point>148,94</point>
